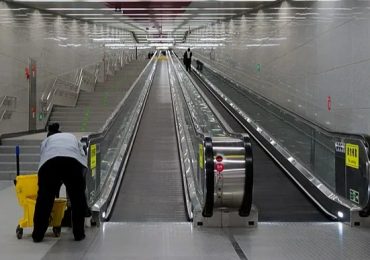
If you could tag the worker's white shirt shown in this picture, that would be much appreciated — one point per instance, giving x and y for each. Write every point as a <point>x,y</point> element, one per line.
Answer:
<point>62,144</point>
<point>188,54</point>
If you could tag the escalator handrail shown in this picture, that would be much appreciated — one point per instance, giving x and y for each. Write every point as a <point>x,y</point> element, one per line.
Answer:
<point>199,134</point>
<point>320,128</point>
<point>97,137</point>
<point>191,202</point>
<point>108,123</point>
<point>220,119</point>
<point>246,205</point>
<point>364,139</point>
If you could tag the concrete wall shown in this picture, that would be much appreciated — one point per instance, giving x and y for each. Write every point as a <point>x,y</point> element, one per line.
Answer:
<point>308,52</point>
<point>58,44</point>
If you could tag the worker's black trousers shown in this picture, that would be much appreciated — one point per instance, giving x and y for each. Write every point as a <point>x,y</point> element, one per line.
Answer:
<point>188,66</point>
<point>51,174</point>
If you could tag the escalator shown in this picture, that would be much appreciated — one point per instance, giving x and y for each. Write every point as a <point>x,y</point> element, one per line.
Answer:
<point>158,156</point>
<point>275,195</point>
<point>152,189</point>
<point>173,152</point>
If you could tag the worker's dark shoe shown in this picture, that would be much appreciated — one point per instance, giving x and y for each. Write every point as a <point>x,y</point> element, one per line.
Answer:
<point>80,237</point>
<point>36,238</point>
<point>88,213</point>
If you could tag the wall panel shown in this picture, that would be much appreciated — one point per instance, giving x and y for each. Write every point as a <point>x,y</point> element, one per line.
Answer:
<point>58,44</point>
<point>307,52</point>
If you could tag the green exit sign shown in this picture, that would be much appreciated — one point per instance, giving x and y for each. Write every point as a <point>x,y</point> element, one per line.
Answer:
<point>258,67</point>
<point>41,116</point>
<point>354,196</point>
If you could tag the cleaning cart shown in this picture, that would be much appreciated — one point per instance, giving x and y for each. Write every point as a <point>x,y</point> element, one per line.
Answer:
<point>26,188</point>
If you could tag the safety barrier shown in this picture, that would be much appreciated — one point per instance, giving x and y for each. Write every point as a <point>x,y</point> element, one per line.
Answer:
<point>217,164</point>
<point>332,168</point>
<point>64,89</point>
<point>89,77</point>
<point>108,149</point>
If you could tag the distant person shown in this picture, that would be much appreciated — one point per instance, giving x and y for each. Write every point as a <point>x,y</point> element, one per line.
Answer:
<point>62,160</point>
<point>187,59</point>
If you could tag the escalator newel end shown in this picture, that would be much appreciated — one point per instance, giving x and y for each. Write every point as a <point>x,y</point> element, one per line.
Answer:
<point>208,207</point>
<point>246,206</point>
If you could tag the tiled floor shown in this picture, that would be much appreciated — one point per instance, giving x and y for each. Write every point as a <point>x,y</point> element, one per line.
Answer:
<point>133,240</point>
<point>10,246</point>
<point>5,184</point>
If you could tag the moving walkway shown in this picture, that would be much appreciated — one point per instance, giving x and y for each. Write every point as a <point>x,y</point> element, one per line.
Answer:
<point>137,167</point>
<point>331,169</point>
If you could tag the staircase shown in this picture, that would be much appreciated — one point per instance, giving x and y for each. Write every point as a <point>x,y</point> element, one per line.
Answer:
<point>29,157</point>
<point>89,115</point>
<point>93,109</point>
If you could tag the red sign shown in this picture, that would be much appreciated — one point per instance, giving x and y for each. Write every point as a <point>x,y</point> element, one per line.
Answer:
<point>219,158</point>
<point>27,73</point>
<point>329,103</point>
<point>220,167</point>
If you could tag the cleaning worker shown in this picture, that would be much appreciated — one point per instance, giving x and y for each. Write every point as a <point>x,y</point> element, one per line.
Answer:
<point>62,160</point>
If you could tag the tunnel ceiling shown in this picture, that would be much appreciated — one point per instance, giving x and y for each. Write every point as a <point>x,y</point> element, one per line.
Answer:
<point>150,20</point>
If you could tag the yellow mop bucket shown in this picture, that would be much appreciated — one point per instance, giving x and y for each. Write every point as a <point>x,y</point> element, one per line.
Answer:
<point>26,189</point>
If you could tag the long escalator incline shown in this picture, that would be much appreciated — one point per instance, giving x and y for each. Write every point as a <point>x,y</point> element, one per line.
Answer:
<point>276,196</point>
<point>151,190</point>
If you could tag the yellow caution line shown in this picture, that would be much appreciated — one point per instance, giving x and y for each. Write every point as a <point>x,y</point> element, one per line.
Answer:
<point>162,58</point>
